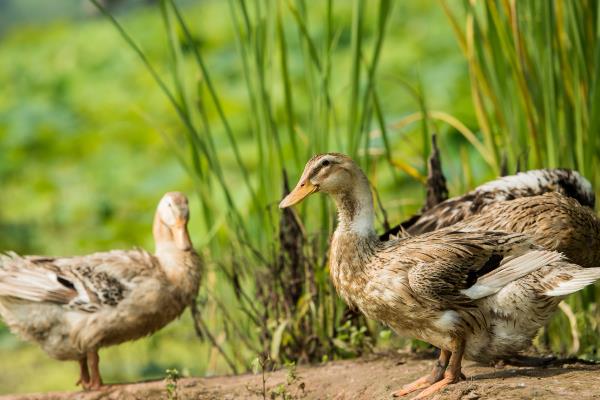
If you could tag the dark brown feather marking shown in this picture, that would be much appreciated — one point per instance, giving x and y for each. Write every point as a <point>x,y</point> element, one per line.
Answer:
<point>65,282</point>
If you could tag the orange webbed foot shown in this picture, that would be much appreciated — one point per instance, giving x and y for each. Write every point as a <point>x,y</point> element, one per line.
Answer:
<point>420,383</point>
<point>448,379</point>
<point>436,374</point>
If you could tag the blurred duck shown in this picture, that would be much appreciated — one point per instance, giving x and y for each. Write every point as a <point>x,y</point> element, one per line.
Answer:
<point>522,185</point>
<point>73,306</point>
<point>473,293</point>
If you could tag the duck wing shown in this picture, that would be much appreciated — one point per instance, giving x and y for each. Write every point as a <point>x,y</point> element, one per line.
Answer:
<point>86,283</point>
<point>23,279</point>
<point>456,268</point>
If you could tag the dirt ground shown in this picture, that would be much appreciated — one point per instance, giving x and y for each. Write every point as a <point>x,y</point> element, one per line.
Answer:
<point>375,377</point>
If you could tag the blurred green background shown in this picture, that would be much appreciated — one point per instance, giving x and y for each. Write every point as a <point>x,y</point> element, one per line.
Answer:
<point>83,158</point>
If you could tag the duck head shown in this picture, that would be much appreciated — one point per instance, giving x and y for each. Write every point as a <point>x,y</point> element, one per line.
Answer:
<point>339,176</point>
<point>170,222</point>
<point>331,173</point>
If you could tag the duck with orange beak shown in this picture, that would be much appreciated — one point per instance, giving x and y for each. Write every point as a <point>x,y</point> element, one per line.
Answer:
<point>73,306</point>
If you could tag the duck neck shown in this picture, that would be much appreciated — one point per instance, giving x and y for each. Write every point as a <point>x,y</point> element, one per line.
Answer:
<point>356,214</point>
<point>173,260</point>
<point>163,237</point>
<point>354,241</point>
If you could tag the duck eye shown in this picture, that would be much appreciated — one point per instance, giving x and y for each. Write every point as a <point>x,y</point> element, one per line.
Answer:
<point>325,163</point>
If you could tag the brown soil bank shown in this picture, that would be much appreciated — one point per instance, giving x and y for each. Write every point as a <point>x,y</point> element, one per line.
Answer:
<point>375,377</point>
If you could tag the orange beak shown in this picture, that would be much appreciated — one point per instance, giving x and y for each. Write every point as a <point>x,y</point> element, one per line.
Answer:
<point>302,189</point>
<point>181,236</point>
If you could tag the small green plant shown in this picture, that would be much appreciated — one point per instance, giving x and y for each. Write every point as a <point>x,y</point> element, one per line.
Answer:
<point>286,391</point>
<point>281,392</point>
<point>172,376</point>
<point>259,365</point>
<point>292,374</point>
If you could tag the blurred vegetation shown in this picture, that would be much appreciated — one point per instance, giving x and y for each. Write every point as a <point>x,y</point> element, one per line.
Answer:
<point>89,143</point>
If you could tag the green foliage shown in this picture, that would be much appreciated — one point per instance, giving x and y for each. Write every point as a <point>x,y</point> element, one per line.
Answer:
<point>352,340</point>
<point>171,378</point>
<point>292,388</point>
<point>535,76</point>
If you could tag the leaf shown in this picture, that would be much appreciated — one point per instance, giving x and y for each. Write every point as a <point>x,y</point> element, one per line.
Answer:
<point>276,342</point>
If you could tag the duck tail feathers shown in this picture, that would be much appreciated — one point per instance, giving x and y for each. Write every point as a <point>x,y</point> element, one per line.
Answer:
<point>574,281</point>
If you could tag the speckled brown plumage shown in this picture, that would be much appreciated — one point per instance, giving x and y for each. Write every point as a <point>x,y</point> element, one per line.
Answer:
<point>554,221</point>
<point>522,185</point>
<point>475,292</point>
<point>73,306</point>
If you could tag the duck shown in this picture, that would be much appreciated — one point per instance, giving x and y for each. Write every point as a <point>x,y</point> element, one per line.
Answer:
<point>528,184</point>
<point>74,306</point>
<point>475,294</point>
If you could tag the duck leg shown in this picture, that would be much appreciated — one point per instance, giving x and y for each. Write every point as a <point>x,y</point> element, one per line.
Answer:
<point>84,374</point>
<point>452,375</point>
<point>96,380</point>
<point>436,375</point>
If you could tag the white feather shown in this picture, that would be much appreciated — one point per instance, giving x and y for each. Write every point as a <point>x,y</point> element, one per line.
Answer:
<point>509,270</point>
<point>581,279</point>
<point>448,320</point>
<point>532,179</point>
<point>537,180</point>
<point>583,183</point>
<point>29,284</point>
<point>362,224</point>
